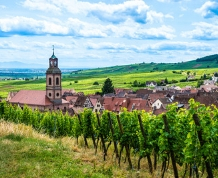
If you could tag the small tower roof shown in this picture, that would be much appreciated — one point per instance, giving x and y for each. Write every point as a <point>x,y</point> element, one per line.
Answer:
<point>53,56</point>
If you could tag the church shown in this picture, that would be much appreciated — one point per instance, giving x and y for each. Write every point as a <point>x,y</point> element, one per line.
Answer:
<point>49,99</point>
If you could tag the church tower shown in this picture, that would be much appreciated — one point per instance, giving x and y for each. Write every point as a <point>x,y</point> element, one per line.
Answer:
<point>53,80</point>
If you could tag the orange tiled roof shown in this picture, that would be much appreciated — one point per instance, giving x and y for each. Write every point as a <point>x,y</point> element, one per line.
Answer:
<point>31,97</point>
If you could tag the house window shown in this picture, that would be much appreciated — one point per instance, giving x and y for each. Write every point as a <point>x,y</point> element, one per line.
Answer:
<point>57,94</point>
<point>49,94</point>
<point>57,81</point>
<point>98,105</point>
<point>49,81</point>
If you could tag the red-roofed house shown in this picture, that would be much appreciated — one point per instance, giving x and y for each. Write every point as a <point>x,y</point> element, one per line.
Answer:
<point>97,104</point>
<point>115,104</point>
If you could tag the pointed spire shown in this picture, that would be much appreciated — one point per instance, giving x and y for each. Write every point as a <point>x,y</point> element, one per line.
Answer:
<point>53,56</point>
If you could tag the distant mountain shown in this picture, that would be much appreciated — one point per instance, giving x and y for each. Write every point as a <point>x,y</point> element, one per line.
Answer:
<point>17,64</point>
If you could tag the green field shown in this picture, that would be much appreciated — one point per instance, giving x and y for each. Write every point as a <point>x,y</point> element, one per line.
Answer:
<point>121,76</point>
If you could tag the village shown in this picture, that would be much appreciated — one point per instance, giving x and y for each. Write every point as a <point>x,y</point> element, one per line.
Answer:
<point>150,100</point>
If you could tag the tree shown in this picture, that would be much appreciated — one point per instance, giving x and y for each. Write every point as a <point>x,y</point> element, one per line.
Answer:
<point>199,83</point>
<point>108,86</point>
<point>135,83</point>
<point>166,81</point>
<point>95,83</point>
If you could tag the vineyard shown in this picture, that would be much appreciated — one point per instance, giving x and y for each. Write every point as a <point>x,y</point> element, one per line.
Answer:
<point>179,138</point>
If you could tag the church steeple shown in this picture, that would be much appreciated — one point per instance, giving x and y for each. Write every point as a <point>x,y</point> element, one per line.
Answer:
<point>53,56</point>
<point>53,61</point>
<point>53,80</point>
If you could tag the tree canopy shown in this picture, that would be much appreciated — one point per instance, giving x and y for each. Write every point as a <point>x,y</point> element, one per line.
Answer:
<point>108,86</point>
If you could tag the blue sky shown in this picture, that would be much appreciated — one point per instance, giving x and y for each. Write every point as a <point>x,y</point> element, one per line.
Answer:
<point>103,33</point>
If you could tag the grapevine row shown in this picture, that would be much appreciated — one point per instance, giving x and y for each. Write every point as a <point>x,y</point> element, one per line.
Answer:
<point>185,138</point>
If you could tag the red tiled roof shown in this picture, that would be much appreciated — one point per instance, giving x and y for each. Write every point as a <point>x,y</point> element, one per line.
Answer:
<point>139,104</point>
<point>107,107</point>
<point>72,98</point>
<point>31,97</point>
<point>155,96</point>
<point>80,101</point>
<point>115,104</point>
<point>93,101</point>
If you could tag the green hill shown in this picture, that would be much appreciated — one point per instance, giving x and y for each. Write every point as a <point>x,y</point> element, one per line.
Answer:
<point>200,63</point>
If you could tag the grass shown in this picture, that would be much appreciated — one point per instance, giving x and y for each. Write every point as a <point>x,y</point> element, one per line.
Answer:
<point>26,153</point>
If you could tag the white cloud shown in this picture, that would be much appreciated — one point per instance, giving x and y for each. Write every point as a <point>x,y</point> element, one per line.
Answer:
<point>208,9</point>
<point>2,7</point>
<point>157,47</point>
<point>116,13</point>
<point>133,31</point>
<point>42,5</point>
<point>169,0</point>
<point>183,8</point>
<point>169,16</point>
<point>84,29</point>
<point>138,10</point>
<point>163,0</point>
<point>73,27</point>
<point>109,46</point>
<point>203,31</point>
<point>49,44</point>
<point>11,45</point>
<point>184,46</point>
<point>153,16</point>
<point>28,26</point>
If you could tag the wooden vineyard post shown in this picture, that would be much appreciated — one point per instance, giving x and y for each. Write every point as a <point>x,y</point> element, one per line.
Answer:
<point>171,151</point>
<point>85,140</point>
<point>112,131</point>
<point>202,142</point>
<point>126,146</point>
<point>92,134</point>
<point>143,134</point>
<point>102,138</point>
